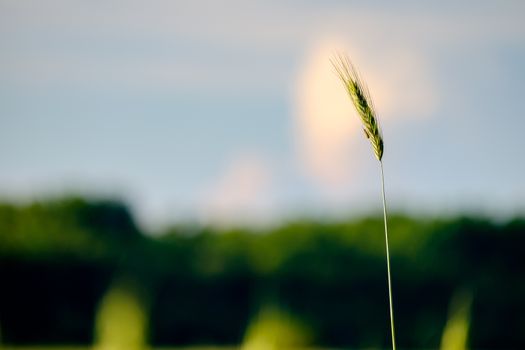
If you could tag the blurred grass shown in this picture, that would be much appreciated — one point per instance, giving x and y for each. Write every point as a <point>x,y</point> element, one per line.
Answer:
<point>455,334</point>
<point>71,347</point>
<point>275,329</point>
<point>122,319</point>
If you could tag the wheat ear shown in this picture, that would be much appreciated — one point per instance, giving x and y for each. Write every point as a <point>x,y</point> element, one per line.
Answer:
<point>360,96</point>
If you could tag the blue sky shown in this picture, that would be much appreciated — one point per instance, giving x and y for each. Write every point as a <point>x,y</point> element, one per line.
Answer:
<point>228,111</point>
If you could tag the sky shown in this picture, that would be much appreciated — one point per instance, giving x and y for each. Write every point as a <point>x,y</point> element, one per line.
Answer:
<point>229,112</point>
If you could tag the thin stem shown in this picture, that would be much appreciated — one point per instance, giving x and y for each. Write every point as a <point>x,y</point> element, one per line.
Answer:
<point>392,328</point>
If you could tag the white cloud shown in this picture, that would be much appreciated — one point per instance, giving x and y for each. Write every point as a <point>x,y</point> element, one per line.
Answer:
<point>241,193</point>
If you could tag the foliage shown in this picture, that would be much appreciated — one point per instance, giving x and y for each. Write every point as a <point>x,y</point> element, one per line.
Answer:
<point>203,285</point>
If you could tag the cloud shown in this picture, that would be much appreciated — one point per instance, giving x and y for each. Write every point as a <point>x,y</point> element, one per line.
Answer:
<point>322,119</point>
<point>241,193</point>
<point>50,70</point>
<point>167,44</point>
<point>200,48</point>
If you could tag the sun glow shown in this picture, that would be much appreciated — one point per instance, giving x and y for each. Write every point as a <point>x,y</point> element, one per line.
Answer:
<point>324,119</point>
<point>326,125</point>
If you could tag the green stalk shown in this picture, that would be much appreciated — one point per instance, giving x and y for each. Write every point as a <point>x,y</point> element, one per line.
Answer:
<point>392,328</point>
<point>360,97</point>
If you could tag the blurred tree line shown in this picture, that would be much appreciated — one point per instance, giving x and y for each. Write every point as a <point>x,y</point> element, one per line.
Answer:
<point>203,285</point>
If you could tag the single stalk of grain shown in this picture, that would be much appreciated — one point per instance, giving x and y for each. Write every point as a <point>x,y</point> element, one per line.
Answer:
<point>360,96</point>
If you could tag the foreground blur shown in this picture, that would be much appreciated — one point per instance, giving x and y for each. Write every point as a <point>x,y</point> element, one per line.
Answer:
<point>79,272</point>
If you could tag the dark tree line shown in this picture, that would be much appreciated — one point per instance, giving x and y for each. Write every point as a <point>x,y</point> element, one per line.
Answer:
<point>57,259</point>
